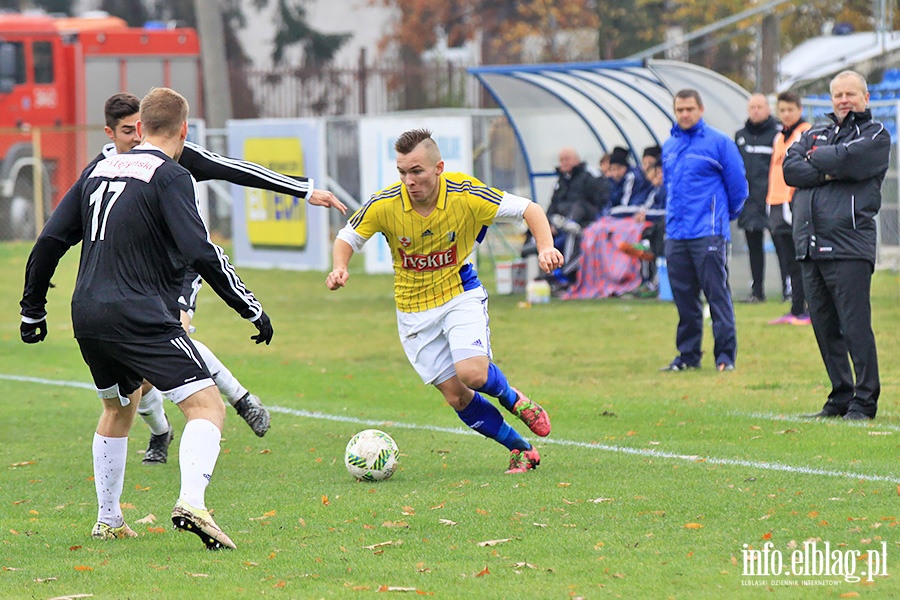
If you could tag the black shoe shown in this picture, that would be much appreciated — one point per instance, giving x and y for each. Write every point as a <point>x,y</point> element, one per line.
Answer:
<point>822,414</point>
<point>158,449</point>
<point>679,365</point>
<point>855,415</point>
<point>251,410</point>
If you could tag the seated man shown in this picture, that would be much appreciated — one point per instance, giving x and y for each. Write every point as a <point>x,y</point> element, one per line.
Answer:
<point>629,186</point>
<point>578,199</point>
<point>652,213</point>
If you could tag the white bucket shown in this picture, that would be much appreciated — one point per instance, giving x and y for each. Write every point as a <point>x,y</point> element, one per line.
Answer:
<point>511,277</point>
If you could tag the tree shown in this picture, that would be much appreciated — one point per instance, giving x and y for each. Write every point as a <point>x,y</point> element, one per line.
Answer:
<point>292,29</point>
<point>505,25</point>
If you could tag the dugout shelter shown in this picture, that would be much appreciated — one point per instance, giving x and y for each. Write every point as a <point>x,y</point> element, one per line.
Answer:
<point>595,106</point>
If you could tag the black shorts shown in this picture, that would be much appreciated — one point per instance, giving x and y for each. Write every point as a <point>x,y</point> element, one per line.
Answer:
<point>174,366</point>
<point>190,287</point>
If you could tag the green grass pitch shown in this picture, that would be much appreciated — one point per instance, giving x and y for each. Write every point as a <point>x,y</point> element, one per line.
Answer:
<point>652,485</point>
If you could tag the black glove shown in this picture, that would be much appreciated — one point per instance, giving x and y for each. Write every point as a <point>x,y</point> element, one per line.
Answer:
<point>265,329</point>
<point>32,333</point>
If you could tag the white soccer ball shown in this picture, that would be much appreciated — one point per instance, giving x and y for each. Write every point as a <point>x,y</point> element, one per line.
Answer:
<point>371,455</point>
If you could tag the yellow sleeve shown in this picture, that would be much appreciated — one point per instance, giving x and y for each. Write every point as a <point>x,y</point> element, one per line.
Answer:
<point>365,221</point>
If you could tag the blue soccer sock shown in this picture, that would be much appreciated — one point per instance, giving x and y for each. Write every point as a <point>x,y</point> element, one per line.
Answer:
<point>483,417</point>
<point>498,387</point>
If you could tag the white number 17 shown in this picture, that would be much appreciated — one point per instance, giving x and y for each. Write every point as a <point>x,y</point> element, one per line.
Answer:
<point>115,188</point>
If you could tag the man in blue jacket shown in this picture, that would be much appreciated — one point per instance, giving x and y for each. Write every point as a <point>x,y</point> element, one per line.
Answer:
<point>706,186</point>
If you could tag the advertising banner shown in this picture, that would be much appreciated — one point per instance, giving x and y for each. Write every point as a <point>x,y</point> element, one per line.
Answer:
<point>276,230</point>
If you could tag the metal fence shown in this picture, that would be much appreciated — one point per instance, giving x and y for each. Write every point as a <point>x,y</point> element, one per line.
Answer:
<point>364,89</point>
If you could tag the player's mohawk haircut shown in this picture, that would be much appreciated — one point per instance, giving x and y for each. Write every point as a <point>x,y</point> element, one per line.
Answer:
<point>408,140</point>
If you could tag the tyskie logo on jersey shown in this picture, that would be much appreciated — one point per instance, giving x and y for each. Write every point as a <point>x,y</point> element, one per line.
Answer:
<point>429,262</point>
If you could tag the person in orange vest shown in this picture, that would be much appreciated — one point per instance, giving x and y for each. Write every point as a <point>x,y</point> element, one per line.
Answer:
<point>778,203</point>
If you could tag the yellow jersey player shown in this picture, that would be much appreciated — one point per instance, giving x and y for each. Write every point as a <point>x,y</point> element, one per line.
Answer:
<point>432,221</point>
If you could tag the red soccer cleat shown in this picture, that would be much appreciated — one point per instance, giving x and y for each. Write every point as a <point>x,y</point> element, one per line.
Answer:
<point>523,460</point>
<point>532,414</point>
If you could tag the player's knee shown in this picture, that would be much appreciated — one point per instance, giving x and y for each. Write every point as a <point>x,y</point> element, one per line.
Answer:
<point>473,377</point>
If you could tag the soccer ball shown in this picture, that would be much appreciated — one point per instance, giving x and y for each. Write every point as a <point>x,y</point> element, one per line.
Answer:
<point>371,455</point>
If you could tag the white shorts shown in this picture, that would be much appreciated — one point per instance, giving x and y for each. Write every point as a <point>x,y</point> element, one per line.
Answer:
<point>435,339</point>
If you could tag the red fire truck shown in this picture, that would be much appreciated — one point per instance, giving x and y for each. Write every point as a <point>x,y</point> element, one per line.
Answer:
<point>55,75</point>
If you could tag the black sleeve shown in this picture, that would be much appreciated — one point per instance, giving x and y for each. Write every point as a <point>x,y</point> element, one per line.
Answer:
<point>866,156</point>
<point>205,165</point>
<point>182,215</point>
<point>601,193</point>
<point>62,231</point>
<point>798,171</point>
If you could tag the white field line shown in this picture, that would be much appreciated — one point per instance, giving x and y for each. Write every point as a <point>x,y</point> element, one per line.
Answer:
<point>642,452</point>
<point>873,425</point>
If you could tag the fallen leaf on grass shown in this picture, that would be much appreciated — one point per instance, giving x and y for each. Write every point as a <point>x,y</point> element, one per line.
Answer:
<point>383,544</point>
<point>407,511</point>
<point>22,464</point>
<point>849,595</point>
<point>483,572</point>
<point>693,526</point>
<point>148,520</point>
<point>489,543</point>
<point>45,580</point>
<point>74,547</point>
<point>481,511</point>
<point>539,524</point>
<point>72,597</point>
<point>523,565</point>
<point>156,529</point>
<point>441,505</point>
<point>600,500</point>
<point>83,568</point>
<point>880,432</point>
<point>325,500</point>
<point>267,515</point>
<point>11,569</point>
<point>767,536</point>
<point>402,524</point>
<point>196,574</point>
<point>787,431</point>
<point>393,588</point>
<point>447,522</point>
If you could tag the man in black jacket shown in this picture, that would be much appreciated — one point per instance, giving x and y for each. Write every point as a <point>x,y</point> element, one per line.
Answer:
<point>838,170</point>
<point>755,143</point>
<point>579,197</point>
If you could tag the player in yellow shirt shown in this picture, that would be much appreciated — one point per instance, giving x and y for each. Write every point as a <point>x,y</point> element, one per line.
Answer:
<point>432,221</point>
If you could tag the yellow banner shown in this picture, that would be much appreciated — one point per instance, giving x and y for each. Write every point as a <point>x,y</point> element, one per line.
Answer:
<point>275,220</point>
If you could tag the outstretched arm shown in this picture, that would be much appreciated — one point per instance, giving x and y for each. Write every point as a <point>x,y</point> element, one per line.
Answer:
<point>549,257</point>
<point>340,258</point>
<point>204,165</point>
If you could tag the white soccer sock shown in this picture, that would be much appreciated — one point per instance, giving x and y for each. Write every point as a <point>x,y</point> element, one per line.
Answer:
<point>152,412</point>
<point>230,387</point>
<point>197,456</point>
<point>109,477</point>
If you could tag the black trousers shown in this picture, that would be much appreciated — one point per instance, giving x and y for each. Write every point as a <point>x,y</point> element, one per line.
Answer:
<point>756,250</point>
<point>838,292</point>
